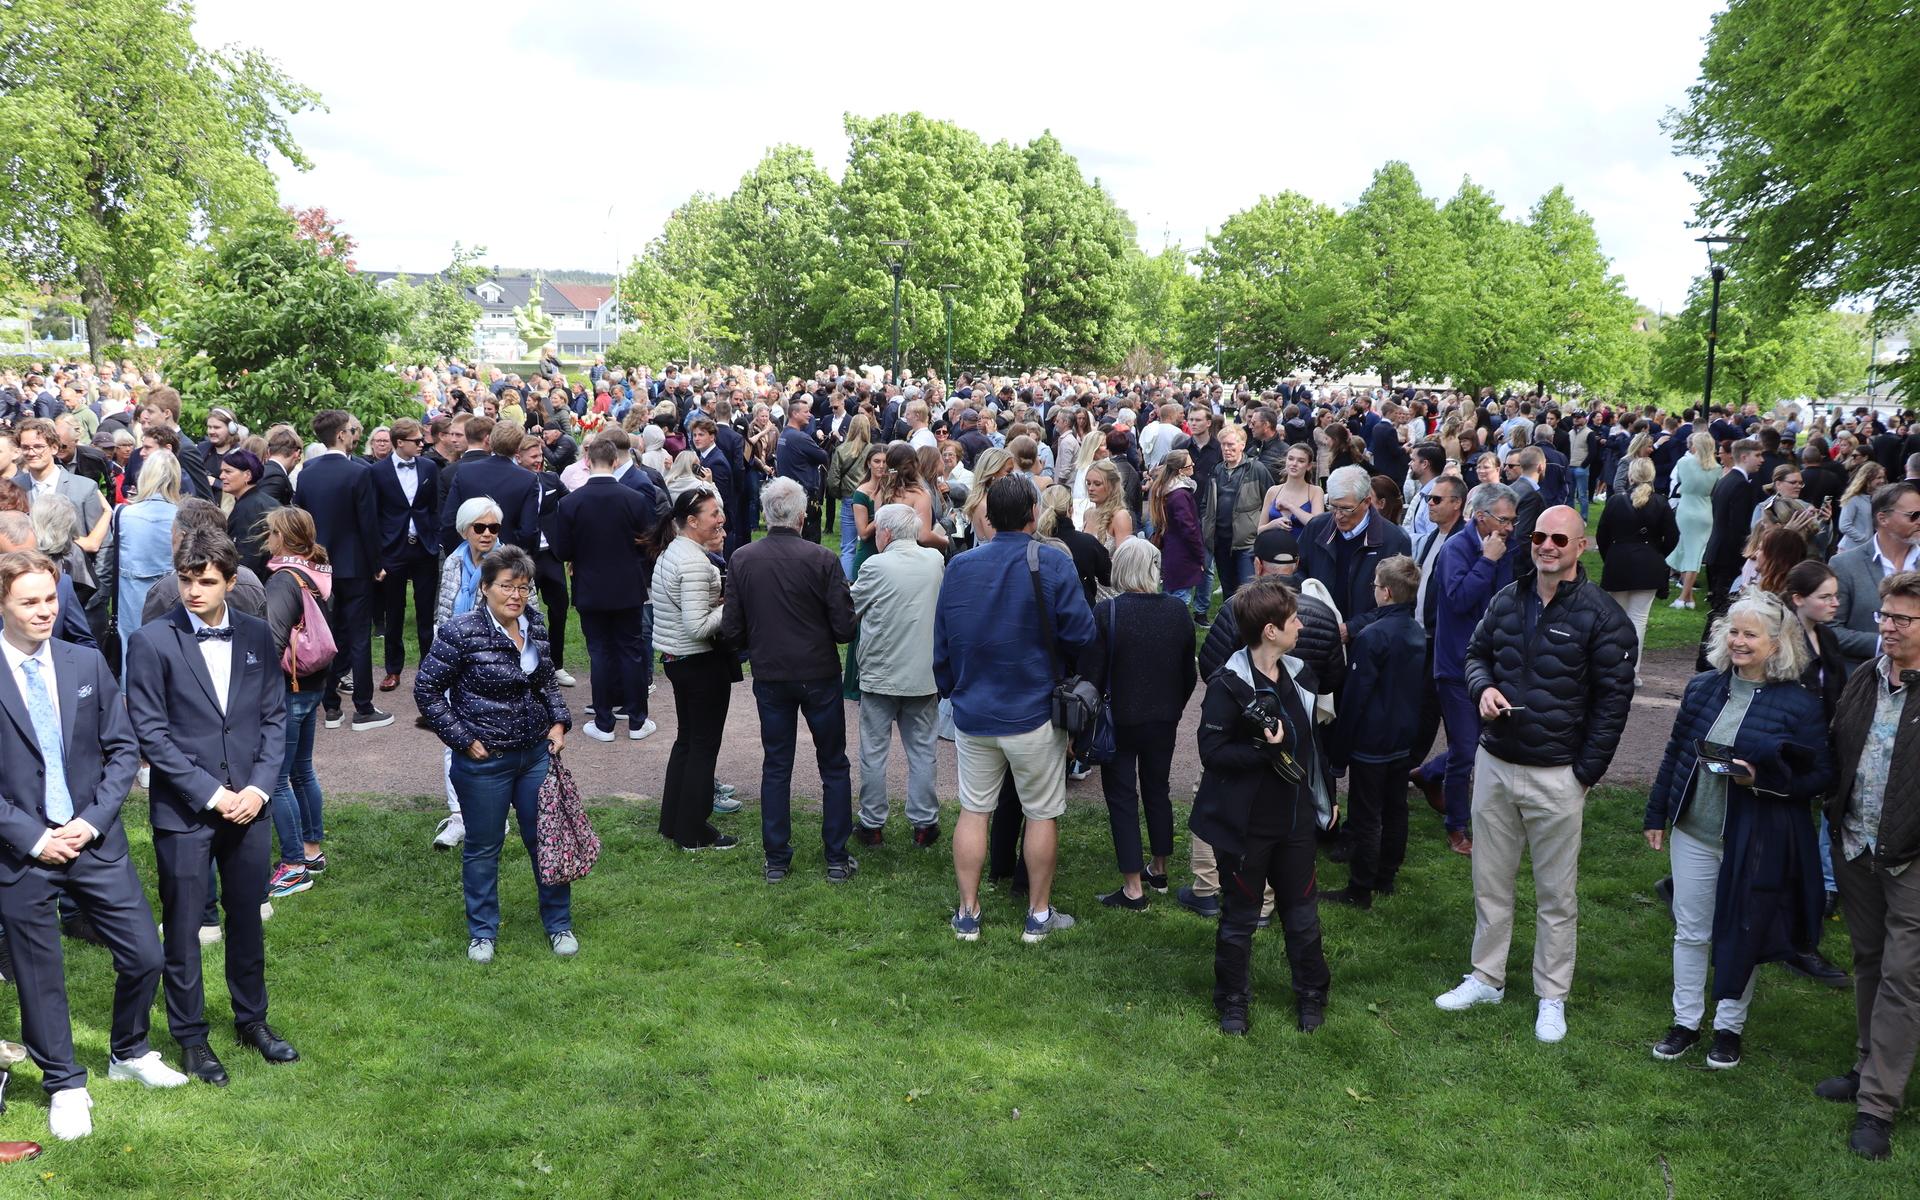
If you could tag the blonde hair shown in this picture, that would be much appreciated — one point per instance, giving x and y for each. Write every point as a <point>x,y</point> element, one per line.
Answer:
<point>1098,520</point>
<point>1056,510</point>
<point>1700,445</point>
<point>1640,479</point>
<point>1789,657</point>
<point>991,463</point>
<point>160,476</point>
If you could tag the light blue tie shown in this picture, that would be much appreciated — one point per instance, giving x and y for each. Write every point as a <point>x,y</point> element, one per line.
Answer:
<point>46,731</point>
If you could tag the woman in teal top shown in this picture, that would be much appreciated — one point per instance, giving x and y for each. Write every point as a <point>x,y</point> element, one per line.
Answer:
<point>1696,474</point>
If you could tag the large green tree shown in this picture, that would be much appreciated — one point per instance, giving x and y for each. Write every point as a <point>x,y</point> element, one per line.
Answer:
<point>1586,313</point>
<point>676,291</point>
<point>1255,292</point>
<point>1155,292</point>
<point>120,136</point>
<point>1501,340</point>
<point>910,176</point>
<point>771,247</point>
<point>1761,357</point>
<point>440,316</point>
<point>278,326</point>
<point>1074,243</point>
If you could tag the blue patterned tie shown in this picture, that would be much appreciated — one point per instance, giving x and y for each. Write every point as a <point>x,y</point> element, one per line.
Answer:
<point>46,731</point>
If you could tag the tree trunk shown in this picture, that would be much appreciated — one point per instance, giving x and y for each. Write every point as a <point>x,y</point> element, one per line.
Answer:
<point>99,306</point>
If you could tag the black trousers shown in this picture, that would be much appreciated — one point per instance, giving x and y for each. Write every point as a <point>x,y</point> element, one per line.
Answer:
<point>702,688</point>
<point>617,657</point>
<point>1138,777</point>
<point>550,576</point>
<point>243,855</point>
<point>1287,864</point>
<point>1004,857</point>
<point>109,894</point>
<point>1720,581</point>
<point>1429,727</point>
<point>424,574</point>
<point>353,602</point>
<point>1377,820</point>
<point>810,527</point>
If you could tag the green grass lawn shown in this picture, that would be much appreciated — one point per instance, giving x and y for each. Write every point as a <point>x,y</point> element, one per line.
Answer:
<point>720,1037</point>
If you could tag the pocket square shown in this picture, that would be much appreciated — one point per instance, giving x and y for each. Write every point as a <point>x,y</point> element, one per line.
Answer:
<point>86,689</point>
<point>252,659</point>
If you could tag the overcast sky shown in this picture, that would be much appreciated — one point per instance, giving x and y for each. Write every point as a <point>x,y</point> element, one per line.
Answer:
<point>1186,112</point>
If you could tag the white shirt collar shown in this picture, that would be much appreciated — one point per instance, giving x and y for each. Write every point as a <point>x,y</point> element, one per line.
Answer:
<point>226,620</point>
<point>43,655</point>
<point>1888,566</point>
<point>503,628</point>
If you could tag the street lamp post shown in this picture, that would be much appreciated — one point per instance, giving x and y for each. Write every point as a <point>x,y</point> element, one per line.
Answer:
<point>898,266</point>
<point>946,296</point>
<point>1719,272</point>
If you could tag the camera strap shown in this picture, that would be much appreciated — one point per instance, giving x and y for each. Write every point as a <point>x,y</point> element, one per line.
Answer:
<point>1040,603</point>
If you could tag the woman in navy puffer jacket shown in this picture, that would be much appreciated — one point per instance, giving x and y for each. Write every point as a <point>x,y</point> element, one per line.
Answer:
<point>1746,865</point>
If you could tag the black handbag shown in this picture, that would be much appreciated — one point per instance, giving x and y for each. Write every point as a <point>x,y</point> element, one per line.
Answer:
<point>1076,703</point>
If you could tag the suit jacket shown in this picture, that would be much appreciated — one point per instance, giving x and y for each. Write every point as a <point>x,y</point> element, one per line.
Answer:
<point>337,492</point>
<point>193,745</point>
<point>193,470</point>
<point>1353,595</point>
<point>1526,514</point>
<point>799,458</point>
<point>1734,498</point>
<point>734,446</point>
<point>731,487</point>
<point>99,752</point>
<point>507,484</point>
<point>595,528</point>
<point>1853,625</point>
<point>548,491</point>
<point>398,516</point>
<point>246,525</point>
<point>274,482</point>
<point>84,494</point>
<point>70,625</point>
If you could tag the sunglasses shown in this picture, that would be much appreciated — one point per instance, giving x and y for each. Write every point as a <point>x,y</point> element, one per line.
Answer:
<point>485,527</point>
<point>1558,539</point>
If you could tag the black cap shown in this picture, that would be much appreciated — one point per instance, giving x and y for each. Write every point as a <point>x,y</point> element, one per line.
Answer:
<point>1276,547</point>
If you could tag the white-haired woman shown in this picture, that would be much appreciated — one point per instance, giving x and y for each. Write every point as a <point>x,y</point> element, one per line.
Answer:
<point>1142,660</point>
<point>1747,756</point>
<point>1695,474</point>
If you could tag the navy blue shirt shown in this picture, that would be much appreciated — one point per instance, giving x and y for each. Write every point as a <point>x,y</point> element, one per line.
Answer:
<point>987,654</point>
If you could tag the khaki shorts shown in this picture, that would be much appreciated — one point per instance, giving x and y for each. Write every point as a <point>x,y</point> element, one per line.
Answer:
<point>1038,759</point>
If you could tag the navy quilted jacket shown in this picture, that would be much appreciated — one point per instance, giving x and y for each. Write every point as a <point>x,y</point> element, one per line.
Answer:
<point>471,688</point>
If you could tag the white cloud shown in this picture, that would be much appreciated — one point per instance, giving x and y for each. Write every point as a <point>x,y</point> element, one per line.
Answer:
<point>518,126</point>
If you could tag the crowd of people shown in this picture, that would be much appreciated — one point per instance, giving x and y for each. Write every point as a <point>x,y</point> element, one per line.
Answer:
<point>1025,566</point>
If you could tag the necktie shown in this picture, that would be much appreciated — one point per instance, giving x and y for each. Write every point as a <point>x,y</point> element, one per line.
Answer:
<point>403,464</point>
<point>222,634</point>
<point>46,731</point>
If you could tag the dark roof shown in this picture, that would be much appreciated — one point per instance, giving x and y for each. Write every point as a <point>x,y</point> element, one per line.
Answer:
<point>516,288</point>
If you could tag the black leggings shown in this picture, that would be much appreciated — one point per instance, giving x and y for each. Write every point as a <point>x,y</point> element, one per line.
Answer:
<point>1143,755</point>
<point>702,687</point>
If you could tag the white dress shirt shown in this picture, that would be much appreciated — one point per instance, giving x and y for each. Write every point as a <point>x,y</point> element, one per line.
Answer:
<point>529,653</point>
<point>43,655</point>
<point>407,471</point>
<point>218,655</point>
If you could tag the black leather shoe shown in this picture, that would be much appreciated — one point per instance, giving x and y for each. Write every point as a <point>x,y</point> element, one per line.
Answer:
<point>1814,965</point>
<point>1233,1017</point>
<point>1842,1089</point>
<point>271,1045</point>
<point>80,929</point>
<point>1872,1137</point>
<point>202,1064</point>
<point>1312,1011</point>
<point>1351,895</point>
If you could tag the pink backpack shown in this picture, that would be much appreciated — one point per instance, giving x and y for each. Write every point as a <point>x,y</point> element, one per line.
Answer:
<point>310,645</point>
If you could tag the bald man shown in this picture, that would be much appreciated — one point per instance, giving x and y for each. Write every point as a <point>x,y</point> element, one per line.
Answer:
<point>1550,668</point>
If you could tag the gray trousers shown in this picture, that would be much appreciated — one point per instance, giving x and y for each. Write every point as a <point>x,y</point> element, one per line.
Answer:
<point>916,716</point>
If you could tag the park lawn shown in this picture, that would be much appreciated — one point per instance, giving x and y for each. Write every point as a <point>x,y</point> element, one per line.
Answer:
<point>720,1037</point>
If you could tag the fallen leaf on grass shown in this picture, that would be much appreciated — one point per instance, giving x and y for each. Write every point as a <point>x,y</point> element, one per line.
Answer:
<point>1358,1098</point>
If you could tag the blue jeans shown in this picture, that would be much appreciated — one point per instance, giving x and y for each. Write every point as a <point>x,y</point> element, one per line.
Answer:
<point>849,538</point>
<point>487,789</point>
<point>782,703</point>
<point>1578,477</point>
<point>1235,568</point>
<point>1183,595</point>
<point>296,798</point>
<point>1455,764</point>
<point>1203,592</point>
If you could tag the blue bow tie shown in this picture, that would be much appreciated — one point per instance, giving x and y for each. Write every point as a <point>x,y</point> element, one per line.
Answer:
<point>222,634</point>
<point>403,464</point>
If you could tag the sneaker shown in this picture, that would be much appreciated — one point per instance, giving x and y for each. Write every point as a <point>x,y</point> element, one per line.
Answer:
<point>334,717</point>
<point>480,950</point>
<point>592,729</point>
<point>1078,771</point>
<point>1233,1017</point>
<point>774,872</point>
<point>1872,1137</point>
<point>719,841</point>
<point>1678,1041</point>
<point>1118,898</point>
<point>869,837</point>
<point>842,871</point>
<point>148,1069</point>
<point>1037,930</point>
<point>1470,992</point>
<point>1551,1023</point>
<point>564,677</point>
<point>209,934</point>
<point>723,789</point>
<point>1310,1013</point>
<point>450,833</point>
<point>289,879</point>
<point>1157,882</point>
<point>926,835</point>
<point>67,1115</point>
<point>966,925</point>
<point>1206,906</point>
<point>1843,1089</point>
<point>373,718</point>
<point>266,910</point>
<point>1725,1054</point>
<point>642,731</point>
<point>725,806</point>
<point>564,943</point>
<point>317,865</point>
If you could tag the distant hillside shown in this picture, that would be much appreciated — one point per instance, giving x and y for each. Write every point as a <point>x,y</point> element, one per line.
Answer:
<point>605,277</point>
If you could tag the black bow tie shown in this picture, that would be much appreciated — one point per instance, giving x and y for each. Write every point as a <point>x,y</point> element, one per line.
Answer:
<point>222,634</point>
<point>403,464</point>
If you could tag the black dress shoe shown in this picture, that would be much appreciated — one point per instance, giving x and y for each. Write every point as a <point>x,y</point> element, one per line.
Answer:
<point>1814,965</point>
<point>1872,1137</point>
<point>1663,892</point>
<point>1351,895</point>
<point>80,929</point>
<point>1312,1012</point>
<point>271,1045</point>
<point>1842,1089</point>
<point>202,1064</point>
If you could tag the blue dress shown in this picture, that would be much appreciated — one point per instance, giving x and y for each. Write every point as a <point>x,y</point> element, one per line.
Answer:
<point>1694,513</point>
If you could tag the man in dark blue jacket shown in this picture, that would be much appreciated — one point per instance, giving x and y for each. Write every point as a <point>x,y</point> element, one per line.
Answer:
<point>498,476</point>
<point>801,458</point>
<point>597,528</point>
<point>1342,546</point>
<point>337,491</point>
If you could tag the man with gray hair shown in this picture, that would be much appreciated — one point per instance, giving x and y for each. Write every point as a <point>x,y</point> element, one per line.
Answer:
<point>1342,546</point>
<point>895,599</point>
<point>787,602</point>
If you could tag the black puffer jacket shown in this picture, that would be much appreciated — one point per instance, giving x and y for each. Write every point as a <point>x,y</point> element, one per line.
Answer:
<point>1319,647</point>
<point>1569,666</point>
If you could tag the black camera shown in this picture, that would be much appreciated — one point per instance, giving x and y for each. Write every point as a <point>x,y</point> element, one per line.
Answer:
<point>1264,711</point>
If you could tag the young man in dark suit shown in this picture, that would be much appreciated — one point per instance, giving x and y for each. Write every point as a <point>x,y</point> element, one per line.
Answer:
<point>67,760</point>
<point>336,489</point>
<point>549,573</point>
<point>209,706</point>
<point>406,494</point>
<point>598,528</point>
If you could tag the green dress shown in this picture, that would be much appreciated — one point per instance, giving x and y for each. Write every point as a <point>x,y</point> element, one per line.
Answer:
<point>850,674</point>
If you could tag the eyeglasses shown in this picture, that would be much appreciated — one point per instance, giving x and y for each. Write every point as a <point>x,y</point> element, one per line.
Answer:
<point>1345,510</point>
<point>1437,498</point>
<point>1540,538</point>
<point>1503,522</point>
<point>1899,621</point>
<point>514,589</point>
<point>1911,516</point>
<point>485,527</point>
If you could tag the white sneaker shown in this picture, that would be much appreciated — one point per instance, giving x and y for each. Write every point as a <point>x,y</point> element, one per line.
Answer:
<point>209,934</point>
<point>452,831</point>
<point>1679,604</point>
<point>266,910</point>
<point>148,1069</point>
<point>644,731</point>
<point>146,775</point>
<point>1551,1025</point>
<point>564,943</point>
<point>1470,992</point>
<point>596,733</point>
<point>564,678</point>
<point>67,1115</point>
<point>480,950</point>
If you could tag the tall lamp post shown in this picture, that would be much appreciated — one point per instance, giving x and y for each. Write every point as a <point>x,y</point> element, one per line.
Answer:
<point>1719,272</point>
<point>946,297</point>
<point>898,266</point>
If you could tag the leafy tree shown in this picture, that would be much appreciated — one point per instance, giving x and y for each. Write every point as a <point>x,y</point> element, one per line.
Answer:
<point>1804,114</point>
<point>119,137</point>
<point>1074,242</point>
<point>278,327</point>
<point>1155,294</point>
<point>677,291</point>
<point>440,317</point>
<point>1587,314</point>
<point>1502,338</point>
<point>771,245</point>
<point>1256,275</point>
<point>909,176</point>
<point>1393,296</point>
<point>1760,358</point>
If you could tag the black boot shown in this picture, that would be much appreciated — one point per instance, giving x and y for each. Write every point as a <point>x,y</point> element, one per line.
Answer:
<point>1814,965</point>
<point>1233,1015</point>
<point>1311,1008</point>
<point>1872,1137</point>
<point>1352,895</point>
